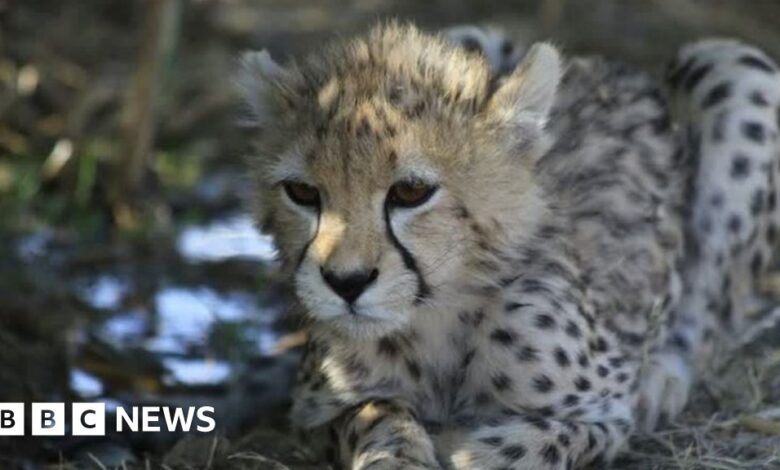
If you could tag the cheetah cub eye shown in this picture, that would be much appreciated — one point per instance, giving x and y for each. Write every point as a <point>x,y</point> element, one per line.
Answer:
<point>302,194</point>
<point>409,194</point>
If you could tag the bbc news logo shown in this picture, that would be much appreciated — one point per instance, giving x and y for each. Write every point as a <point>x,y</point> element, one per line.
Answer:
<point>89,419</point>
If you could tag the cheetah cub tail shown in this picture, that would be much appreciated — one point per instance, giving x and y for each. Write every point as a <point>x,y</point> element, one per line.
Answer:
<point>726,94</point>
<point>712,74</point>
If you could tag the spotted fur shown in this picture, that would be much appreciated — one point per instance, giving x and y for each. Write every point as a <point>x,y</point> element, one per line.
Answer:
<point>517,312</point>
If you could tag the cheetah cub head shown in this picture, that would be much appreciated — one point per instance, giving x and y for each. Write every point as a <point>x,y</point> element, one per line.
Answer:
<point>392,173</point>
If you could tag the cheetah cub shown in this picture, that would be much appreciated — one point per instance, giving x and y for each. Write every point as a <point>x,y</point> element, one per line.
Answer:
<point>486,263</point>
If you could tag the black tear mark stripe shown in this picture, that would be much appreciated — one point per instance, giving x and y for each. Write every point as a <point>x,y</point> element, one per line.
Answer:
<point>423,290</point>
<point>302,255</point>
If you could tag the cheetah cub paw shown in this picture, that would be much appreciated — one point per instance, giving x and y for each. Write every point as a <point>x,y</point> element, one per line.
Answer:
<point>664,387</point>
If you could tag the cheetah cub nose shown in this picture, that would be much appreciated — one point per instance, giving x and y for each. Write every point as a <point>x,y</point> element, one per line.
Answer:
<point>349,286</point>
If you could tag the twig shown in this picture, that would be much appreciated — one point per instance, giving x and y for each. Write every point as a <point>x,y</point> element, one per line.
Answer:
<point>212,453</point>
<point>138,113</point>
<point>97,461</point>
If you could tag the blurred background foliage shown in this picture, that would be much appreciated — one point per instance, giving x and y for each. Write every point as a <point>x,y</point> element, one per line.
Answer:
<point>108,106</point>
<point>130,272</point>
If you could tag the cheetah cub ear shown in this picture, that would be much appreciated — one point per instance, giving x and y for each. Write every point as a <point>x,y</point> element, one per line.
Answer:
<point>264,86</point>
<point>523,100</point>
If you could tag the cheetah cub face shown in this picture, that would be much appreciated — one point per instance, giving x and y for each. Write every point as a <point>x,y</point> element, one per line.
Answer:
<point>391,174</point>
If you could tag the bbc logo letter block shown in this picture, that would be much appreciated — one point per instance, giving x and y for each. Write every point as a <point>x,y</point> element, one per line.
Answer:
<point>89,419</point>
<point>48,419</point>
<point>11,419</point>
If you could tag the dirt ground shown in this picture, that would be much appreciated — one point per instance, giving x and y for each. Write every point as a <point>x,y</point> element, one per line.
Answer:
<point>145,283</point>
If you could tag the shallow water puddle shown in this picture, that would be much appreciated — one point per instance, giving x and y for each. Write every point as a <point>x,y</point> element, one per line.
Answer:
<point>126,328</point>
<point>34,245</point>
<point>85,384</point>
<point>196,371</point>
<point>227,238</point>
<point>106,292</point>
<point>196,334</point>
<point>193,331</point>
<point>188,316</point>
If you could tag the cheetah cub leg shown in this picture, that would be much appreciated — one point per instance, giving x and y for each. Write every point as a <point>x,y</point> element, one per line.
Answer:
<point>666,384</point>
<point>726,96</point>
<point>384,435</point>
<point>667,373</point>
<point>528,442</point>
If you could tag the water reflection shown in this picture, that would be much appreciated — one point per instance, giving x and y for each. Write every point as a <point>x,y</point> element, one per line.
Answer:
<point>176,335</point>
<point>34,245</point>
<point>196,371</point>
<point>85,384</point>
<point>126,328</point>
<point>227,238</point>
<point>106,292</point>
<point>193,332</point>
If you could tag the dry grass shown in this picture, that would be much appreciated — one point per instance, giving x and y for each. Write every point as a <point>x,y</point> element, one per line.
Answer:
<point>733,417</point>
